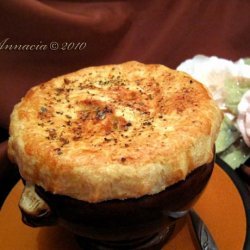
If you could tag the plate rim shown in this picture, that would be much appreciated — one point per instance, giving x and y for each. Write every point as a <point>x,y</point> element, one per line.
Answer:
<point>243,193</point>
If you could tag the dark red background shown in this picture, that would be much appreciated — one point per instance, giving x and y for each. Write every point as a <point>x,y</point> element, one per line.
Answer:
<point>159,31</point>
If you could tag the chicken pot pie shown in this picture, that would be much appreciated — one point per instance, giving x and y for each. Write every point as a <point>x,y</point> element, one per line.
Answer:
<point>113,132</point>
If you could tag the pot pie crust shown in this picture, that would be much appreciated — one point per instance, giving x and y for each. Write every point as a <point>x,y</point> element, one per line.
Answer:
<point>113,132</point>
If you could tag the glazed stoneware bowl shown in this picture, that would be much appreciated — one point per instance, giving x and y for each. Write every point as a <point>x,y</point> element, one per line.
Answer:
<point>142,223</point>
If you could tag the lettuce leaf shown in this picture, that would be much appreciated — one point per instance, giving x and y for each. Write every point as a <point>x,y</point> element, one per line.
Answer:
<point>247,60</point>
<point>234,90</point>
<point>227,136</point>
<point>236,154</point>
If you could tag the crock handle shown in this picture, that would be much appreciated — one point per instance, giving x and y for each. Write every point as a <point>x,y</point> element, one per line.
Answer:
<point>35,211</point>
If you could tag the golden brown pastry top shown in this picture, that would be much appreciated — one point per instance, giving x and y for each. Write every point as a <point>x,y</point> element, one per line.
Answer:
<point>113,132</point>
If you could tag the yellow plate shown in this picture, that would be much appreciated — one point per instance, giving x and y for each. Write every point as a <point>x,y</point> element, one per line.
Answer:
<point>220,206</point>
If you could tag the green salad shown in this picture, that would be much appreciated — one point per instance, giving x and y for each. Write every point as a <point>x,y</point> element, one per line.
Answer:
<point>230,146</point>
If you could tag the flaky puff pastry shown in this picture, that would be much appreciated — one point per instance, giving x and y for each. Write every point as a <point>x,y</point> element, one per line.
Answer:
<point>113,132</point>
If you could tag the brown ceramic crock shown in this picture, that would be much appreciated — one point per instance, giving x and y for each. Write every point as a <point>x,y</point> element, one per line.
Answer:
<point>142,223</point>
